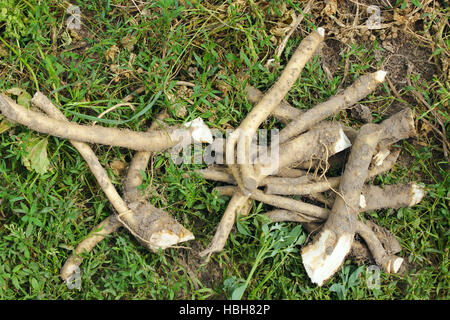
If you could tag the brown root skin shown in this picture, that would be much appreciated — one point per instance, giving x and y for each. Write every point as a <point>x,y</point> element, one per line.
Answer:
<point>391,196</point>
<point>303,188</point>
<point>222,175</point>
<point>397,127</point>
<point>291,173</point>
<point>281,215</point>
<point>154,141</point>
<point>362,87</point>
<point>105,228</point>
<point>287,113</point>
<point>284,83</point>
<point>308,211</point>
<point>320,142</point>
<point>325,255</point>
<point>395,196</point>
<point>140,161</point>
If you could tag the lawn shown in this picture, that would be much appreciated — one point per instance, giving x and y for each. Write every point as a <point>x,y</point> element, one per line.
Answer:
<point>199,56</point>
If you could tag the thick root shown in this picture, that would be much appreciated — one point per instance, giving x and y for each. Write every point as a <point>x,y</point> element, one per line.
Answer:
<point>390,263</point>
<point>154,141</point>
<point>325,255</point>
<point>237,202</point>
<point>393,196</point>
<point>260,112</point>
<point>363,86</point>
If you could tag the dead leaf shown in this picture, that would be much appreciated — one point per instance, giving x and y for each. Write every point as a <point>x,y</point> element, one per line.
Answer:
<point>425,128</point>
<point>14,91</point>
<point>111,53</point>
<point>128,42</point>
<point>398,18</point>
<point>75,35</point>
<point>117,166</point>
<point>114,68</point>
<point>280,31</point>
<point>330,7</point>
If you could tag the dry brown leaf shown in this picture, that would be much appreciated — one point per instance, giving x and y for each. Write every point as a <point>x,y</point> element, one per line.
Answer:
<point>111,53</point>
<point>128,42</point>
<point>330,7</point>
<point>398,18</point>
<point>117,166</point>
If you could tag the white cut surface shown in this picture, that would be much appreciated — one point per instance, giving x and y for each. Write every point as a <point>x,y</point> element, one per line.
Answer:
<point>199,131</point>
<point>163,239</point>
<point>397,264</point>
<point>319,265</point>
<point>380,75</point>
<point>342,143</point>
<point>417,194</point>
<point>321,31</point>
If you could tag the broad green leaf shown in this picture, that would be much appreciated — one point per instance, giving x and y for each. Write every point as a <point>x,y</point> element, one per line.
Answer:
<point>36,158</point>
<point>35,284</point>
<point>24,99</point>
<point>238,292</point>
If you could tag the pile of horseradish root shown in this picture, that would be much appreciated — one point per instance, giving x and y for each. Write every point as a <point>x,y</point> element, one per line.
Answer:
<point>289,174</point>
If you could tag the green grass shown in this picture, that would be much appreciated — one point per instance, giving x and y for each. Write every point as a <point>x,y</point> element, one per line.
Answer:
<point>219,47</point>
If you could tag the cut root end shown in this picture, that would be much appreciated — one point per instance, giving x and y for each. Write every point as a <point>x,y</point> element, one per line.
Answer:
<point>380,75</point>
<point>324,256</point>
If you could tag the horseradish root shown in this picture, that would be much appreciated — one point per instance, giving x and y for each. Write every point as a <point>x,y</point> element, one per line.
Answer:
<point>325,255</point>
<point>145,141</point>
<point>151,226</point>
